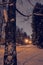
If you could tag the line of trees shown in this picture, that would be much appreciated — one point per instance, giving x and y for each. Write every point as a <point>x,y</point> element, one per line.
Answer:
<point>21,35</point>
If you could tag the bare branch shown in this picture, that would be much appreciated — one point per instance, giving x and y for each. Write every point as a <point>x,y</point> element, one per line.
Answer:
<point>4,3</point>
<point>23,14</point>
<point>30,3</point>
<point>38,14</point>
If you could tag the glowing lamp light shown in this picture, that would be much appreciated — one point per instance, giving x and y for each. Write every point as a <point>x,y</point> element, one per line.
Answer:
<point>30,41</point>
<point>26,41</point>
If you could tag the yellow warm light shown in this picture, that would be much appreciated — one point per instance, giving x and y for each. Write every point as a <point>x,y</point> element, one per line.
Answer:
<point>26,41</point>
<point>2,50</point>
<point>30,41</point>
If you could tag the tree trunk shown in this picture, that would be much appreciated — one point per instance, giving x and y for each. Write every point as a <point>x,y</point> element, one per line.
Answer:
<point>10,37</point>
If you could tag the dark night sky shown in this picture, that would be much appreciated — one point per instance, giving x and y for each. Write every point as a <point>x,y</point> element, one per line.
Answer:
<point>25,8</point>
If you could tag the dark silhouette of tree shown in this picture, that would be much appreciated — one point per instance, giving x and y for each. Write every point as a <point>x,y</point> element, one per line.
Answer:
<point>19,35</point>
<point>10,35</point>
<point>37,25</point>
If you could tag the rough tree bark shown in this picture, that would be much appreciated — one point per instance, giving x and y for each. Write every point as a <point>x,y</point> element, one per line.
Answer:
<point>10,37</point>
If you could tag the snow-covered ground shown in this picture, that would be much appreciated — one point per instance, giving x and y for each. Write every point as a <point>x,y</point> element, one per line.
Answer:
<point>26,55</point>
<point>29,55</point>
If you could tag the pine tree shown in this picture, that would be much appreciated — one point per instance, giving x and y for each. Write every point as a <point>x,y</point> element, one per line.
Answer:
<point>37,25</point>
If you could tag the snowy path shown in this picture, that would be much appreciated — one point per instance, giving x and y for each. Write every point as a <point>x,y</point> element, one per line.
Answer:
<point>29,55</point>
<point>26,55</point>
